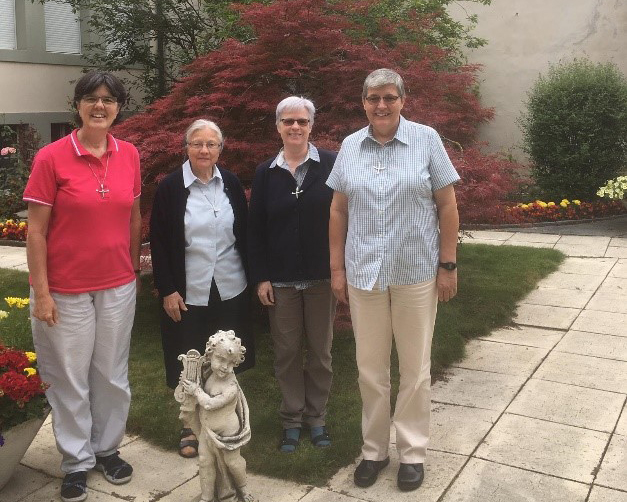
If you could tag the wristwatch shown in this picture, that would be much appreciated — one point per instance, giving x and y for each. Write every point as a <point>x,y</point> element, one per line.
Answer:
<point>449,265</point>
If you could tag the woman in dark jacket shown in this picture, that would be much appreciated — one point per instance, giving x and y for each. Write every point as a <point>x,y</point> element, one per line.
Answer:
<point>289,264</point>
<point>198,247</point>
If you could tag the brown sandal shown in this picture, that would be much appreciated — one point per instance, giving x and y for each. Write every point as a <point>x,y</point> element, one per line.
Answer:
<point>188,443</point>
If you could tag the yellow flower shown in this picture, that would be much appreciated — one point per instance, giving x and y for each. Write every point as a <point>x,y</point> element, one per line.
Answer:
<point>32,357</point>
<point>564,204</point>
<point>30,371</point>
<point>22,224</point>
<point>541,204</point>
<point>3,314</point>
<point>576,202</point>
<point>565,201</point>
<point>20,303</point>
<point>551,204</point>
<point>524,206</point>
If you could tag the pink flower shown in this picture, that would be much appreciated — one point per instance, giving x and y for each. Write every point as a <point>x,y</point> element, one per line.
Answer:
<point>7,149</point>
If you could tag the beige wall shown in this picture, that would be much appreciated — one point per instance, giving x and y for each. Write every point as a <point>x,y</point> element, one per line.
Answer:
<point>36,88</point>
<point>524,36</point>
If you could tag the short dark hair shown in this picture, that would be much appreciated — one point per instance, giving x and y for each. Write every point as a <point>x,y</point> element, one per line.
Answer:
<point>89,82</point>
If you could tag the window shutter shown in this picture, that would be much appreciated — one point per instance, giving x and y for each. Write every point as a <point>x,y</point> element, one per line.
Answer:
<point>7,24</point>
<point>63,29</point>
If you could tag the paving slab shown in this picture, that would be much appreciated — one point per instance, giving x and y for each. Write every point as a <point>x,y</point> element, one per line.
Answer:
<point>491,235</point>
<point>149,463</point>
<point>42,454</point>
<point>613,473</point>
<point>572,298</point>
<point>502,358</point>
<point>594,344</point>
<point>544,447</point>
<point>584,240</point>
<point>524,244</point>
<point>325,495</point>
<point>616,252</point>
<point>620,242</point>
<point>568,404</point>
<point>621,428</point>
<point>483,481</point>
<point>482,389</point>
<point>440,469</point>
<point>595,321</point>
<point>591,250</point>
<point>545,316</point>
<point>526,335</point>
<point>531,237</point>
<point>263,488</point>
<point>611,296</point>
<point>600,494</point>
<point>487,242</point>
<point>587,266</point>
<point>23,483</point>
<point>585,371</point>
<point>459,429</point>
<point>579,282</point>
<point>620,269</point>
<point>50,493</point>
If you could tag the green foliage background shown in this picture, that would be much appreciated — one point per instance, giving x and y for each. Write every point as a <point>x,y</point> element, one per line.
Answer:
<point>575,128</point>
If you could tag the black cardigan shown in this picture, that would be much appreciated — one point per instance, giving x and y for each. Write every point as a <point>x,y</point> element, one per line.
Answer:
<point>167,229</point>
<point>288,236</point>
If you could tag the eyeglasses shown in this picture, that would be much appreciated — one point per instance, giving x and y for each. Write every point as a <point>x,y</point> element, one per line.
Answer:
<point>197,145</point>
<point>300,122</point>
<point>388,99</point>
<point>106,100</point>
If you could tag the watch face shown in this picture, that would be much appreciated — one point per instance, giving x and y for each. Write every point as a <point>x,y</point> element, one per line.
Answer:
<point>448,265</point>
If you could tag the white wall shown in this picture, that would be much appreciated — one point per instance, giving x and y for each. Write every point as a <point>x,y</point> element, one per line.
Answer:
<point>524,36</point>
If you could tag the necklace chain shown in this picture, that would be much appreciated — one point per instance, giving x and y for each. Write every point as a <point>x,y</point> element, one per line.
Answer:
<point>102,190</point>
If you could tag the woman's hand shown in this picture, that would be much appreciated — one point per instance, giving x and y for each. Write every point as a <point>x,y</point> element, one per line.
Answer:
<point>173,304</point>
<point>447,284</point>
<point>265,293</point>
<point>339,286</point>
<point>46,310</point>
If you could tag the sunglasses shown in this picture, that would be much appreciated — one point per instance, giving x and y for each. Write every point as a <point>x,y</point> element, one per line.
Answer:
<point>300,122</point>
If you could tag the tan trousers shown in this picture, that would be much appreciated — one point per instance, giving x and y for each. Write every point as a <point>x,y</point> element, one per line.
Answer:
<point>303,320</point>
<point>406,313</point>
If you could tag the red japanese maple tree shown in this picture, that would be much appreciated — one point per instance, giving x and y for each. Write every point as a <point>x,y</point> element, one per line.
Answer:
<point>317,49</point>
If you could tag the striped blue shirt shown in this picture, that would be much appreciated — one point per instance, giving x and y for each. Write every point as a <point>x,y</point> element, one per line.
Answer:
<point>393,232</point>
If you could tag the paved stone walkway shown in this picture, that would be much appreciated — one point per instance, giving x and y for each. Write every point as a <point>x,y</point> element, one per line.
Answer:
<point>535,412</point>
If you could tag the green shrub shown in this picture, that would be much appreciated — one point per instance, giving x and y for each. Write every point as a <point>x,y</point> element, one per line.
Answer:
<point>575,128</point>
<point>14,169</point>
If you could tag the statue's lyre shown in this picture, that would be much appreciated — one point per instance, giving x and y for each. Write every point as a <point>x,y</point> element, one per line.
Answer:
<point>192,370</point>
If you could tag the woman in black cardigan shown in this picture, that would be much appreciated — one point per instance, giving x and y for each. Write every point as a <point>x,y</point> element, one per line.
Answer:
<point>289,264</point>
<point>198,248</point>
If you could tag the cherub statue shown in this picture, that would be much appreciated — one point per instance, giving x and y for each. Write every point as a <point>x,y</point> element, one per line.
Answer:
<point>214,406</point>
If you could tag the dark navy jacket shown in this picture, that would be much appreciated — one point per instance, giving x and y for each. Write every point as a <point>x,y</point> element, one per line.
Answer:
<point>288,237</point>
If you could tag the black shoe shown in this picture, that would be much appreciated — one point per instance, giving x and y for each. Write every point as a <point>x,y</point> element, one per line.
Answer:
<point>115,470</point>
<point>368,470</point>
<point>74,487</point>
<point>410,476</point>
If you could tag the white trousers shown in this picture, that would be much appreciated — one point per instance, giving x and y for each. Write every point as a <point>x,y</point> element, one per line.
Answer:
<point>84,358</point>
<point>407,315</point>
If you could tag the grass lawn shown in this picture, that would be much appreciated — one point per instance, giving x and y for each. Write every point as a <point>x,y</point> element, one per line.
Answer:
<point>492,280</point>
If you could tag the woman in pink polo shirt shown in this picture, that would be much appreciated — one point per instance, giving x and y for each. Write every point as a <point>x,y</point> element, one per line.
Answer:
<point>83,255</point>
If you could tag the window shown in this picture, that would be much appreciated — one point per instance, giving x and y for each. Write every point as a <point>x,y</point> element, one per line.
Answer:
<point>7,24</point>
<point>59,130</point>
<point>63,28</point>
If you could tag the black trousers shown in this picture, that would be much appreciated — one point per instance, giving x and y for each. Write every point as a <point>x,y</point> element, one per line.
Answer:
<point>199,323</point>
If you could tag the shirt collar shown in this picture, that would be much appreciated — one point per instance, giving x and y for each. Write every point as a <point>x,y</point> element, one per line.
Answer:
<point>401,134</point>
<point>312,153</point>
<point>112,144</point>
<point>189,177</point>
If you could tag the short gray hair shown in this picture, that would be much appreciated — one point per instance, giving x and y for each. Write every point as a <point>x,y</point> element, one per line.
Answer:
<point>294,103</point>
<point>381,77</point>
<point>199,124</point>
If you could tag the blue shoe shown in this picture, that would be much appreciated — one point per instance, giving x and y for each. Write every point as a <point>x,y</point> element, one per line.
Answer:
<point>320,437</point>
<point>289,443</point>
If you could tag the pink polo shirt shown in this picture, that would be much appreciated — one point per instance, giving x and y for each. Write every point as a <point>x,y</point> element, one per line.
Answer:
<point>88,236</point>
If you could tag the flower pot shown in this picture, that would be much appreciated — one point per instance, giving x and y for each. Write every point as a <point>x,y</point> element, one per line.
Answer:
<point>16,441</point>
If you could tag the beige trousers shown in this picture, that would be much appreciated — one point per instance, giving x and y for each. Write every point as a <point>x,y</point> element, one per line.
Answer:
<point>406,314</point>
<point>301,323</point>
